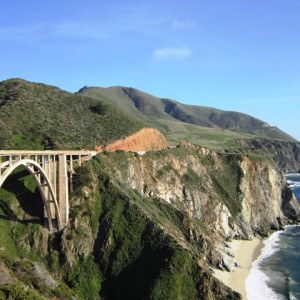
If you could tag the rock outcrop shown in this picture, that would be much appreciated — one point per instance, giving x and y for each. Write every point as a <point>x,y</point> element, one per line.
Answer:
<point>286,154</point>
<point>151,226</point>
<point>237,195</point>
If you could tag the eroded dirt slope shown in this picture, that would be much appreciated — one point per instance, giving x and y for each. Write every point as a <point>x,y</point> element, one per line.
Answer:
<point>146,139</point>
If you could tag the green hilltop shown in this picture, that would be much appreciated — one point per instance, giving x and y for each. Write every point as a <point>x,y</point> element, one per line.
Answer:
<point>200,125</point>
<point>40,116</point>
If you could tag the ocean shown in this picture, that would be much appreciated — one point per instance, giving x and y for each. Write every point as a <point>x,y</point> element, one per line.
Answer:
<point>276,272</point>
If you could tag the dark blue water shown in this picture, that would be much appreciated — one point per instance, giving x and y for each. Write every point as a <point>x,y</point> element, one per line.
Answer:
<point>276,273</point>
<point>294,181</point>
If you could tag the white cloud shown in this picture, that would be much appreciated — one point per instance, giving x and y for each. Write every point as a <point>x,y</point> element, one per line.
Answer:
<point>169,52</point>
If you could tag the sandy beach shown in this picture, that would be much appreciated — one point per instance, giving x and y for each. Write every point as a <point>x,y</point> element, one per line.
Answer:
<point>245,252</point>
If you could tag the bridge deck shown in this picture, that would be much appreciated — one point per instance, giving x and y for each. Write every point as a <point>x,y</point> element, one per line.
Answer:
<point>47,152</point>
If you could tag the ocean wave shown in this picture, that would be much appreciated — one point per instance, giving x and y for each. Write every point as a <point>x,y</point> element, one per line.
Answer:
<point>257,282</point>
<point>293,183</point>
<point>293,174</point>
<point>271,245</point>
<point>290,227</point>
<point>292,230</point>
<point>292,178</point>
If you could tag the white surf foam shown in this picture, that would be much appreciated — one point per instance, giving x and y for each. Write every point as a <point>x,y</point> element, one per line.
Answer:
<point>256,283</point>
<point>293,174</point>
<point>295,184</point>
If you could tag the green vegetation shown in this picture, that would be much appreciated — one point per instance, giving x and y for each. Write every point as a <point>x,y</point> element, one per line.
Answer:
<point>28,284</point>
<point>85,279</point>
<point>205,126</point>
<point>227,183</point>
<point>178,280</point>
<point>37,116</point>
<point>191,178</point>
<point>138,259</point>
<point>212,138</point>
<point>21,205</point>
<point>118,244</point>
<point>23,241</point>
<point>17,292</point>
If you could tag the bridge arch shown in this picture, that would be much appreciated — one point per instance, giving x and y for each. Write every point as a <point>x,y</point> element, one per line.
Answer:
<point>43,183</point>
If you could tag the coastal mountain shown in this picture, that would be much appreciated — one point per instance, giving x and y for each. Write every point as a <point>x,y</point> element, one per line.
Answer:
<point>171,115</point>
<point>40,116</point>
<point>142,225</point>
<point>35,115</point>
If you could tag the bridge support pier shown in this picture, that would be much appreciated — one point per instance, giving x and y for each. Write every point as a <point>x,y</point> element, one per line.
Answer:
<point>63,190</point>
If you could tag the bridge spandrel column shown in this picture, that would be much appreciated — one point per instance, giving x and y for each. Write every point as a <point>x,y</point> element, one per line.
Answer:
<point>50,170</point>
<point>47,192</point>
<point>63,197</point>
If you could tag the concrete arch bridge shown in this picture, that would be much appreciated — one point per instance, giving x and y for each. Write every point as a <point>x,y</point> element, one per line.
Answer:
<point>52,172</point>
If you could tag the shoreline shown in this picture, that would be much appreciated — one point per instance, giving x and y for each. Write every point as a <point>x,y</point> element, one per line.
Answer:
<point>245,253</point>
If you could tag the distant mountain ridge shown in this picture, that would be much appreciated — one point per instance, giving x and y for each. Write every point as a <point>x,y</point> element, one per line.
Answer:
<point>164,112</point>
<point>40,116</point>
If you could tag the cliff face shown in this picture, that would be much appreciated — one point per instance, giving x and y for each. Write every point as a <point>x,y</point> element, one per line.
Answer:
<point>148,226</point>
<point>238,196</point>
<point>261,197</point>
<point>284,153</point>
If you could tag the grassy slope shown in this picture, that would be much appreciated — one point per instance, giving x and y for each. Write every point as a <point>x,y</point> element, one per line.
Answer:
<point>142,106</point>
<point>37,116</point>
<point>177,120</point>
<point>23,242</point>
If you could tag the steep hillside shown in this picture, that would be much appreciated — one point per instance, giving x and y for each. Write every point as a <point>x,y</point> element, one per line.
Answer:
<point>169,114</point>
<point>204,126</point>
<point>284,153</point>
<point>38,116</point>
<point>150,226</point>
<point>143,106</point>
<point>141,227</point>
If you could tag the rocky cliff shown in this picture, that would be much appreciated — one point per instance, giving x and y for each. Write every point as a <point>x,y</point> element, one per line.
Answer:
<point>145,226</point>
<point>246,192</point>
<point>286,154</point>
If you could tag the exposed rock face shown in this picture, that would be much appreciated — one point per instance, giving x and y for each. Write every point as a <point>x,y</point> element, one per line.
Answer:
<point>289,207</point>
<point>285,154</point>
<point>151,226</point>
<point>147,139</point>
<point>261,188</point>
<point>237,196</point>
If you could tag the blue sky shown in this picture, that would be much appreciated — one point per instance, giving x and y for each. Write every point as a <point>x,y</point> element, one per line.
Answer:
<point>239,55</point>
